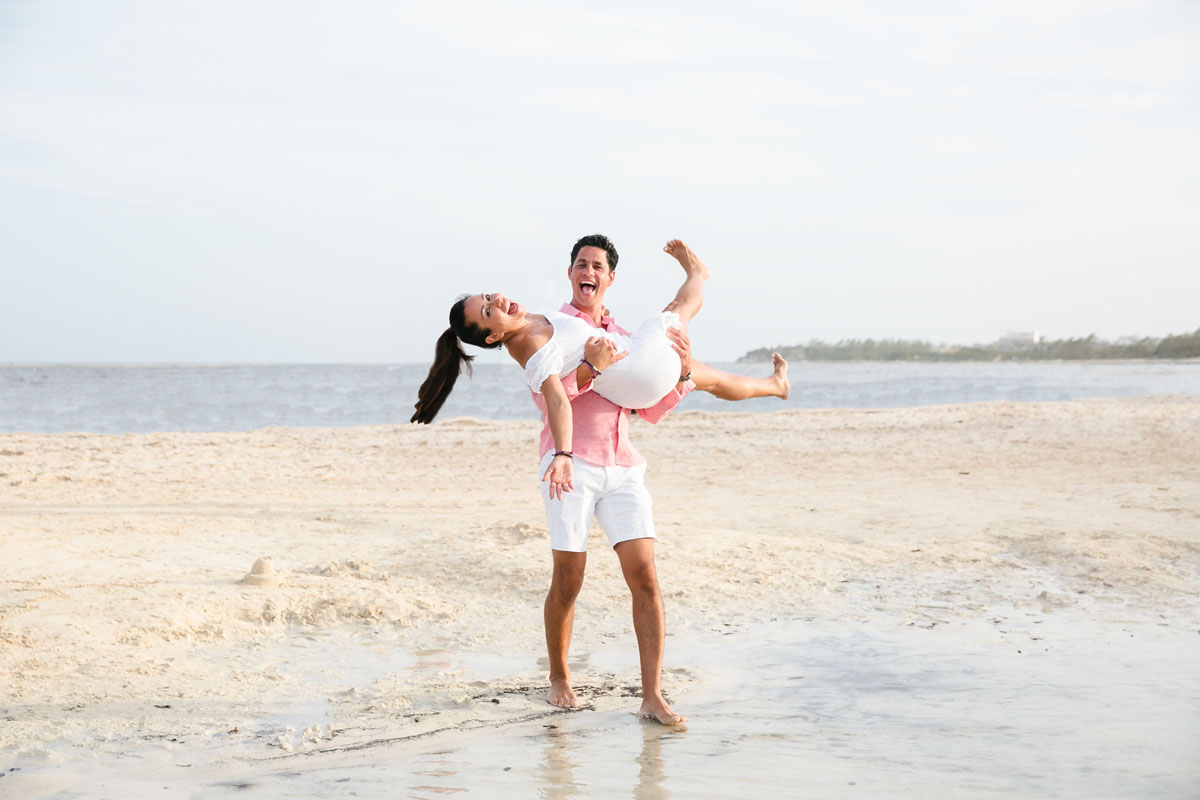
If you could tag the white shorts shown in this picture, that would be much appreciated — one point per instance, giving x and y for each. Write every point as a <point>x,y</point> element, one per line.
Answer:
<point>616,496</point>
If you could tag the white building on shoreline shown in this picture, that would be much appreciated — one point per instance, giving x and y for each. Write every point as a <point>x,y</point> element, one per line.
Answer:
<point>1017,341</point>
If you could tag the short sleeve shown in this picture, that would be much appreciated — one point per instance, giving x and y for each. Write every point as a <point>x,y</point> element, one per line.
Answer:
<point>656,412</point>
<point>541,365</point>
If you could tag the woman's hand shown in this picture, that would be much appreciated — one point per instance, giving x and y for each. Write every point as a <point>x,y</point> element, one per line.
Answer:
<point>559,475</point>
<point>601,352</point>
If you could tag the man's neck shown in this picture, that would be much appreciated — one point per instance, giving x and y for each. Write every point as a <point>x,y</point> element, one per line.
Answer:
<point>595,313</point>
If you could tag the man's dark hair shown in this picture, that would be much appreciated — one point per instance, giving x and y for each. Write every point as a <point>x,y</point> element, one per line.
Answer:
<point>596,240</point>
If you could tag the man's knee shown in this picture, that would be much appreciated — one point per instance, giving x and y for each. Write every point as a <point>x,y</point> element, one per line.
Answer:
<point>641,577</point>
<point>567,579</point>
<point>643,583</point>
<point>564,591</point>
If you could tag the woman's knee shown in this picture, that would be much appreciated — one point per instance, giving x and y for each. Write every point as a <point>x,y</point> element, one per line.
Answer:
<point>704,376</point>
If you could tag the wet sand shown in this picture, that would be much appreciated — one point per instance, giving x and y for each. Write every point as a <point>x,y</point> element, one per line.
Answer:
<point>985,600</point>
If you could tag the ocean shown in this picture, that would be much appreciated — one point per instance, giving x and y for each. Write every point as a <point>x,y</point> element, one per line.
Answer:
<point>116,399</point>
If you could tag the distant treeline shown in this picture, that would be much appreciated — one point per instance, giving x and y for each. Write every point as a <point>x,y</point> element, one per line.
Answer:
<point>1184,345</point>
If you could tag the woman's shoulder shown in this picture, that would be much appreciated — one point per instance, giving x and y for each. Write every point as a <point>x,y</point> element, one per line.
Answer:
<point>538,336</point>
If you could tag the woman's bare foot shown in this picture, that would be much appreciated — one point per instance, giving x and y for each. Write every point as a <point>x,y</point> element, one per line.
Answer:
<point>657,709</point>
<point>561,694</point>
<point>780,376</point>
<point>686,258</point>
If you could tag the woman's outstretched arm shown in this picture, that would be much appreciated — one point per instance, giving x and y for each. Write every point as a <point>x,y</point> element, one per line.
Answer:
<point>558,410</point>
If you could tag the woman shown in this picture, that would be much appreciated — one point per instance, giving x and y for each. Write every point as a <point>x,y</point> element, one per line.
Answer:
<point>553,346</point>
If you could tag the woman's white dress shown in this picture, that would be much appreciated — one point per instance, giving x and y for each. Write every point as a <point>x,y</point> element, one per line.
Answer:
<point>639,380</point>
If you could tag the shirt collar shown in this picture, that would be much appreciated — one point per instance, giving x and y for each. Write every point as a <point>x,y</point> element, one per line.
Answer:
<point>605,321</point>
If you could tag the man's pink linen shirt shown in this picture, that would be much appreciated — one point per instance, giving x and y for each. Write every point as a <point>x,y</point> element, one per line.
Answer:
<point>601,427</point>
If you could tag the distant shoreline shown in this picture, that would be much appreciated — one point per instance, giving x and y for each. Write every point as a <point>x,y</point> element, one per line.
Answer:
<point>756,359</point>
<point>1030,346</point>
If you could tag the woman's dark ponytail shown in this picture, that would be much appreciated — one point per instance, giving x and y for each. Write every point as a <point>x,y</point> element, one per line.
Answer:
<point>449,361</point>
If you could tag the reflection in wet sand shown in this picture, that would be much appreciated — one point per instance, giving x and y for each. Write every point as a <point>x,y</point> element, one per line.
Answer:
<point>564,751</point>
<point>558,765</point>
<point>651,774</point>
<point>440,769</point>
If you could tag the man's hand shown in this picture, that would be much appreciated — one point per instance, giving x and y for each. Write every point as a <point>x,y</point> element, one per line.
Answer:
<point>683,346</point>
<point>602,353</point>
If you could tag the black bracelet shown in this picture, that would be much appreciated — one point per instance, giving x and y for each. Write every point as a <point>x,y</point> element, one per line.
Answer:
<point>685,378</point>
<point>595,372</point>
<point>566,453</point>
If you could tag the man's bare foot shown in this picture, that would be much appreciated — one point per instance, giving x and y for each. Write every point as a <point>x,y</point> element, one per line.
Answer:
<point>657,709</point>
<point>686,258</point>
<point>780,375</point>
<point>561,694</point>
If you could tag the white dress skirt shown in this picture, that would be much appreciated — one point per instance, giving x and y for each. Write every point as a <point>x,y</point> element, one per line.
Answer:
<point>639,380</point>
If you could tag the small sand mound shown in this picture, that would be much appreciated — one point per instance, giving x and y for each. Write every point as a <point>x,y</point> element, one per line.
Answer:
<point>261,574</point>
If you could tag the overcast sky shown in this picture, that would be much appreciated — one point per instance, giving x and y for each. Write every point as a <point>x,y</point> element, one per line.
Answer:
<point>245,181</point>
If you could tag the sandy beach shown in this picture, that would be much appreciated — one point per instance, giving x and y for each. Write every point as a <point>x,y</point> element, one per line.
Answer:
<point>1018,584</point>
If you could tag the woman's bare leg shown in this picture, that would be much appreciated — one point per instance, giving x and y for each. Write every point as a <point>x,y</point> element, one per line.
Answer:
<point>686,304</point>
<point>690,296</point>
<point>728,386</point>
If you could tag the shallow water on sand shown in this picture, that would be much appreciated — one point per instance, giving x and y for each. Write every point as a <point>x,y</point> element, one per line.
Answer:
<point>1045,705</point>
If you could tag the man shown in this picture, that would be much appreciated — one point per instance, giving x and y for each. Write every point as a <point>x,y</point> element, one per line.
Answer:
<point>608,481</point>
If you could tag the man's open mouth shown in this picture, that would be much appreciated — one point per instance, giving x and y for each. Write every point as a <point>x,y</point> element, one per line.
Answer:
<point>586,288</point>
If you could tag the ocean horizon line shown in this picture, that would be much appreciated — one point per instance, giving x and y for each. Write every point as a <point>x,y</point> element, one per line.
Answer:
<point>740,360</point>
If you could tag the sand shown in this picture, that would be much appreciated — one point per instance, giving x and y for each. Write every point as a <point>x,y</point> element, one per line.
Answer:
<point>400,612</point>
